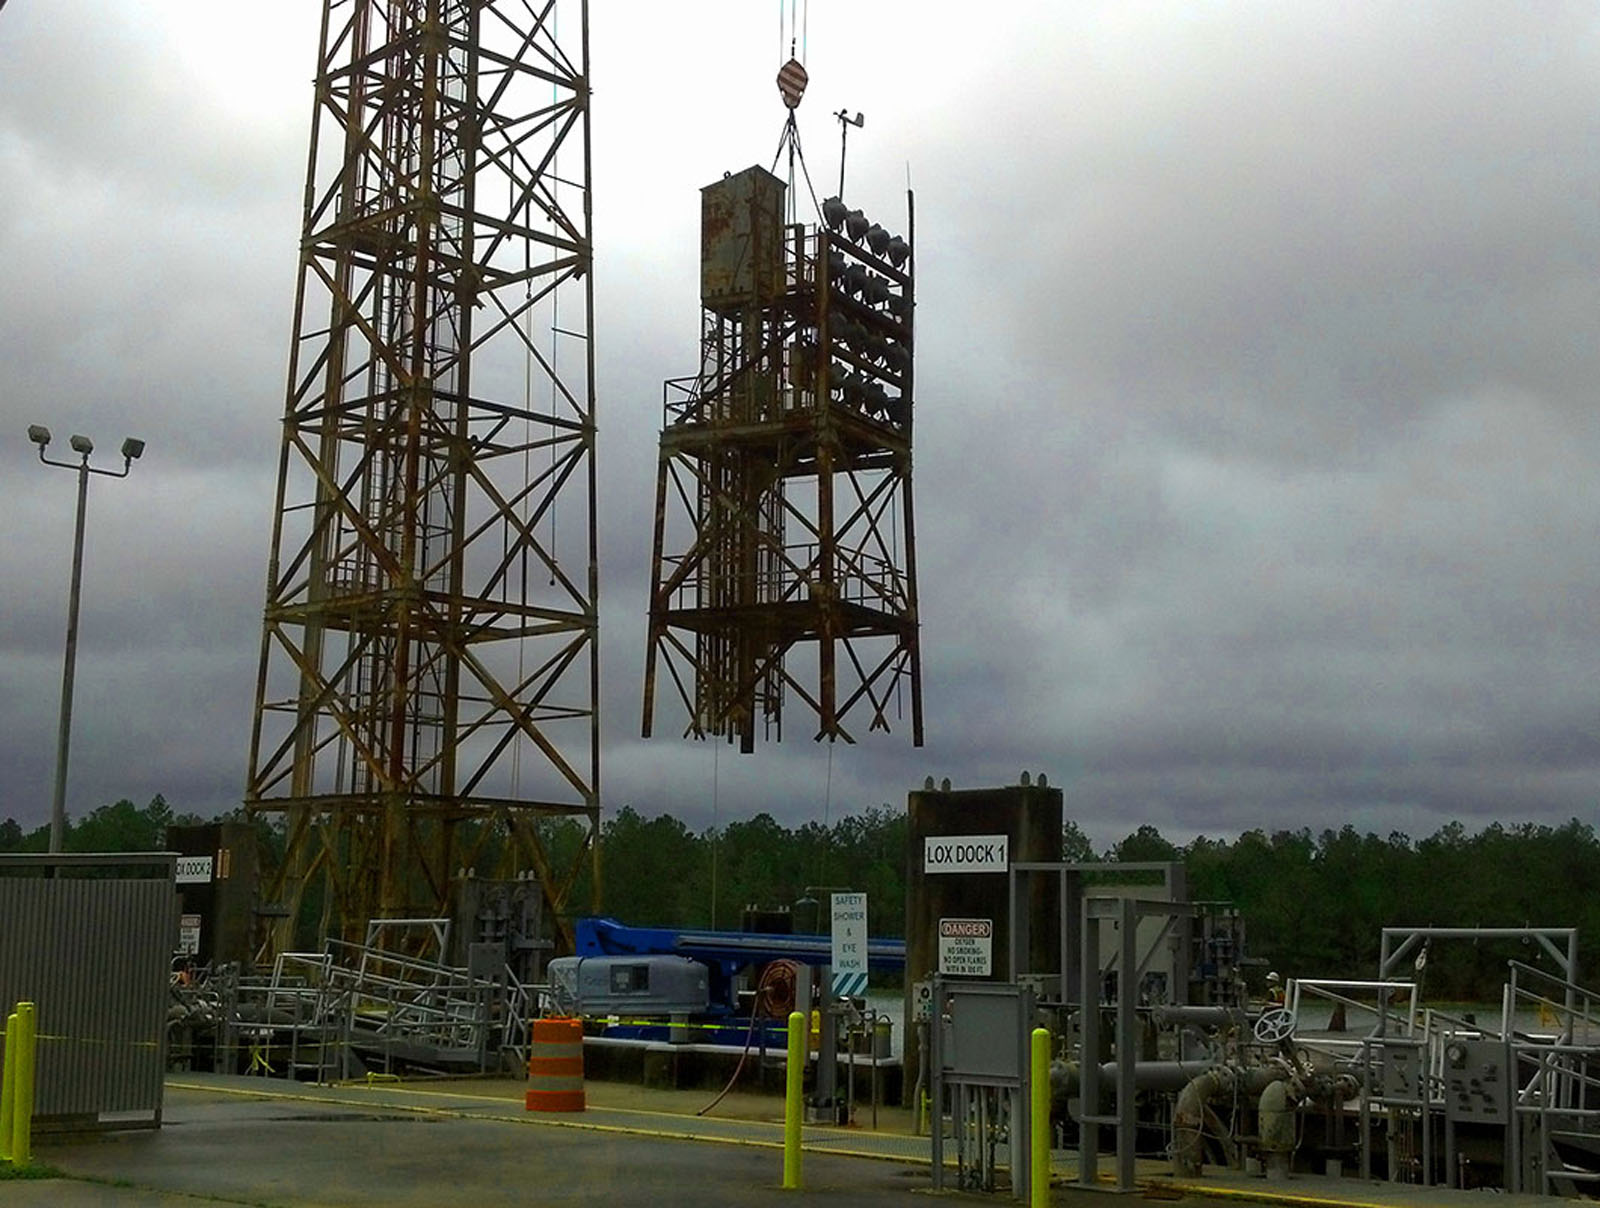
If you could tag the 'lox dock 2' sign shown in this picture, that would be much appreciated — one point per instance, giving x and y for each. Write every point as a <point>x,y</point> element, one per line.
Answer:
<point>965,853</point>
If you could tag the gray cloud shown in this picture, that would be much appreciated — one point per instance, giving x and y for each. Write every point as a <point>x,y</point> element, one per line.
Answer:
<point>1256,455</point>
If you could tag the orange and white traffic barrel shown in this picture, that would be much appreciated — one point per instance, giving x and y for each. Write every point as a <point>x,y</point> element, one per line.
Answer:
<point>555,1066</point>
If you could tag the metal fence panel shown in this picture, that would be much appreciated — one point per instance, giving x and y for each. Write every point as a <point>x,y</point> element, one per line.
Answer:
<point>89,940</point>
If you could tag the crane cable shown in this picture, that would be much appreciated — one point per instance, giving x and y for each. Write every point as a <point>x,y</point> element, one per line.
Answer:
<point>786,29</point>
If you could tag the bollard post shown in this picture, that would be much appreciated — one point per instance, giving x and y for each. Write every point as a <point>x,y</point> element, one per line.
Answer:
<point>1039,1120</point>
<point>22,1093</point>
<point>8,1089</point>
<point>794,1075</point>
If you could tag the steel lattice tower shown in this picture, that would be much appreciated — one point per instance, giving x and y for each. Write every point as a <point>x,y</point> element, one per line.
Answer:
<point>783,497</point>
<point>429,668</point>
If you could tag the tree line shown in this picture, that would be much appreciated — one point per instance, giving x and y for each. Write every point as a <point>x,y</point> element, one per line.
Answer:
<point>1314,903</point>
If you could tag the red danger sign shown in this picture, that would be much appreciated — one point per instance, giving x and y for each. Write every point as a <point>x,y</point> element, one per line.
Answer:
<point>981,929</point>
<point>966,947</point>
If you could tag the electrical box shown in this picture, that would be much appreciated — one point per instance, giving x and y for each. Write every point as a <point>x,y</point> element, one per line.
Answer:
<point>1402,1070</point>
<point>1475,1083</point>
<point>741,240</point>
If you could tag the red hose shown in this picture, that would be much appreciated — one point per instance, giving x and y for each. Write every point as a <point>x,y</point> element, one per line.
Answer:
<point>776,990</point>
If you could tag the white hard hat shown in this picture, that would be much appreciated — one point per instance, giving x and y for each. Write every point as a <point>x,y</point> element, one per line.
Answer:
<point>1273,976</point>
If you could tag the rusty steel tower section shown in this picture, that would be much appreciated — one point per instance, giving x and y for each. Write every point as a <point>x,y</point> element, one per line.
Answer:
<point>784,564</point>
<point>428,681</point>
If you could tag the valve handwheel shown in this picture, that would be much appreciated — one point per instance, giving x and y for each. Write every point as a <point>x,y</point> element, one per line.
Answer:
<point>1274,1025</point>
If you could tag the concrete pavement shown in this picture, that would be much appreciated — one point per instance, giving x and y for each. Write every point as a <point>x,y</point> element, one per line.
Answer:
<point>229,1140</point>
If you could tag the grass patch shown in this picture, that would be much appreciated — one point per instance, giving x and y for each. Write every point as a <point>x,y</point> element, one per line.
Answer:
<point>34,1170</point>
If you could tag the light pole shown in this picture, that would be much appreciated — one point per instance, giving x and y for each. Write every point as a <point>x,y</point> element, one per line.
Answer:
<point>82,445</point>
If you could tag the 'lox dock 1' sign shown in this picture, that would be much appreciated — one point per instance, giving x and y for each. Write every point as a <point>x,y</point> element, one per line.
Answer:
<point>849,945</point>
<point>966,853</point>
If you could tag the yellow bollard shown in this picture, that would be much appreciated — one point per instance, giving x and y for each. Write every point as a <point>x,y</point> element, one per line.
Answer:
<point>1039,1140</point>
<point>8,1089</point>
<point>22,1106</point>
<point>794,1075</point>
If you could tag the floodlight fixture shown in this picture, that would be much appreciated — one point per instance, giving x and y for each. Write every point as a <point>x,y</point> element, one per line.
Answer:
<point>132,449</point>
<point>39,435</point>
<point>856,224</point>
<point>81,444</point>
<point>877,239</point>
<point>833,213</point>
<point>899,251</point>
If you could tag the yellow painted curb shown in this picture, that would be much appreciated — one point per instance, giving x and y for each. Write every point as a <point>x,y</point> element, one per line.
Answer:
<point>1267,1196</point>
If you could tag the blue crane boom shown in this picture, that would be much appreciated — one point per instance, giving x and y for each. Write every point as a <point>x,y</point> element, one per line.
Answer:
<point>724,953</point>
<point>608,937</point>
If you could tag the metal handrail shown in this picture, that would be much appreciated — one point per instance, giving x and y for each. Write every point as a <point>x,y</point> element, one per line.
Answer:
<point>1563,1070</point>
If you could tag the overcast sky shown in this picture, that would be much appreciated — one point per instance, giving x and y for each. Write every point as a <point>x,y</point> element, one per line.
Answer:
<point>1257,460</point>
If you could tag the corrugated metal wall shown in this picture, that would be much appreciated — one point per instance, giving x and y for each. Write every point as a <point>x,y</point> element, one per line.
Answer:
<point>89,940</point>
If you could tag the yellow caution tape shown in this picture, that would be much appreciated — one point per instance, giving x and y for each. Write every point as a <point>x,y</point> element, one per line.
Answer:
<point>742,1025</point>
<point>132,1044</point>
